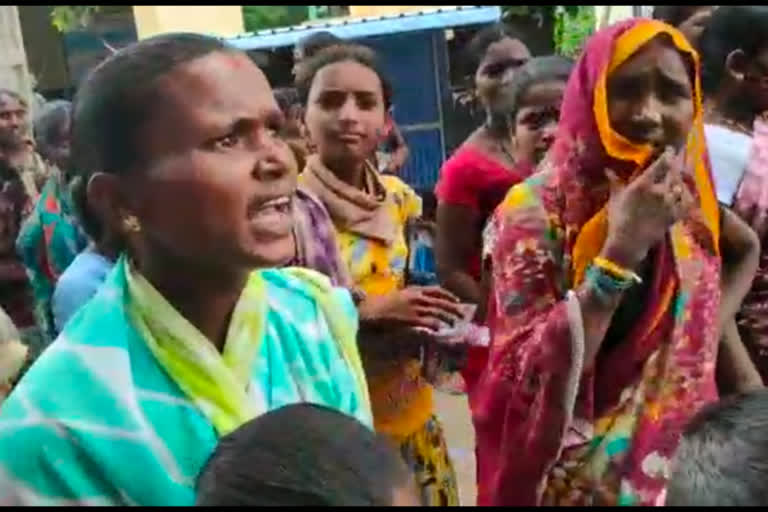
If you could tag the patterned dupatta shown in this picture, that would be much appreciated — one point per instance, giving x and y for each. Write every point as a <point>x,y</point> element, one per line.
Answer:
<point>620,420</point>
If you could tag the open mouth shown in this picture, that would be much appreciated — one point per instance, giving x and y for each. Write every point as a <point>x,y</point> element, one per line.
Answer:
<point>272,218</point>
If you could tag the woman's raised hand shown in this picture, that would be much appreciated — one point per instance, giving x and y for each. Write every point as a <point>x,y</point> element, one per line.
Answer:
<point>641,212</point>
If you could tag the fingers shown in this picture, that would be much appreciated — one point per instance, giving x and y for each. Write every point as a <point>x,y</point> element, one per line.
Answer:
<point>614,182</point>
<point>439,293</point>
<point>681,203</point>
<point>665,169</point>
<point>438,314</point>
<point>657,172</point>
<point>427,322</point>
<point>449,309</point>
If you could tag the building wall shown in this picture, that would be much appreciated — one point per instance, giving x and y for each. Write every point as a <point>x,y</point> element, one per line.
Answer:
<point>44,46</point>
<point>13,61</point>
<point>358,11</point>
<point>224,20</point>
<point>617,13</point>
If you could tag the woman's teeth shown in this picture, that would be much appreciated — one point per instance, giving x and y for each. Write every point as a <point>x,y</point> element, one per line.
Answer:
<point>280,204</point>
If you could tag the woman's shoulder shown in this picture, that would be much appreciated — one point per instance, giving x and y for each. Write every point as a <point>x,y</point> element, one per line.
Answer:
<point>395,185</point>
<point>302,287</point>
<point>531,193</point>
<point>79,282</point>
<point>406,199</point>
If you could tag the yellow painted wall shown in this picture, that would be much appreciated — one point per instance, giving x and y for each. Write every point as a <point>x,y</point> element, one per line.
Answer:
<point>359,11</point>
<point>224,20</point>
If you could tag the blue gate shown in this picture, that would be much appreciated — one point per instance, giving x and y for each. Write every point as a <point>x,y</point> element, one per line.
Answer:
<point>413,53</point>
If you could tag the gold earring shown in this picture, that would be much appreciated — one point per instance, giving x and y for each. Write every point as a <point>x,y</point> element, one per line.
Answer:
<point>131,224</point>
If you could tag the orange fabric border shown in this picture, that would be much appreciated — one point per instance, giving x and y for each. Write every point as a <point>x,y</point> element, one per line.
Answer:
<point>593,233</point>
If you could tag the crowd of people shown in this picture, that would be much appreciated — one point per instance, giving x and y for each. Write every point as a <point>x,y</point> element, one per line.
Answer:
<point>217,293</point>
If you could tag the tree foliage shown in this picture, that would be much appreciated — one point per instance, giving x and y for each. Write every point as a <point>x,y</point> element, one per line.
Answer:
<point>573,24</point>
<point>537,12</point>
<point>67,18</point>
<point>573,28</point>
<point>260,17</point>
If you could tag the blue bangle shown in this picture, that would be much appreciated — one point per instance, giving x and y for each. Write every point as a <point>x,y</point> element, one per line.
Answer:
<point>606,286</point>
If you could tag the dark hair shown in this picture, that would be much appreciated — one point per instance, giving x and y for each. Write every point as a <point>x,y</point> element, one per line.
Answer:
<point>731,27</point>
<point>341,53</point>
<point>13,94</point>
<point>674,14</point>
<point>286,97</point>
<point>302,454</point>
<point>478,45</point>
<point>313,43</point>
<point>722,459</point>
<point>536,70</point>
<point>118,96</point>
<point>49,122</point>
<point>428,203</point>
<point>115,101</point>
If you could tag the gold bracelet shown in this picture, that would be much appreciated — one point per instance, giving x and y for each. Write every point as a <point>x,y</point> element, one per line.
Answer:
<point>616,271</point>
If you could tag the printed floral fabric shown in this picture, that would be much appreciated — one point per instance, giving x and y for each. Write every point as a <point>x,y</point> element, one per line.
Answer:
<point>549,429</point>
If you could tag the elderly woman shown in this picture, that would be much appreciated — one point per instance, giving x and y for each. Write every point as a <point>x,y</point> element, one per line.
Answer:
<point>606,286</point>
<point>185,341</point>
<point>20,170</point>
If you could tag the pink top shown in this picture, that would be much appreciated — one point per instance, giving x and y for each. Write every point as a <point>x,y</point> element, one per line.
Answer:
<point>470,178</point>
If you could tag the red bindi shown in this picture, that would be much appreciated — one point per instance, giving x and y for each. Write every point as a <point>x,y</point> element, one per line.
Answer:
<point>235,61</point>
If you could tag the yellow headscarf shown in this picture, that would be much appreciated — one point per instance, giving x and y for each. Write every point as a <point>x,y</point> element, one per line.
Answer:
<point>592,235</point>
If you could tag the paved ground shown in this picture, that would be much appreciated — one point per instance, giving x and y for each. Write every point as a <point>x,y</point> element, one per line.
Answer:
<point>453,411</point>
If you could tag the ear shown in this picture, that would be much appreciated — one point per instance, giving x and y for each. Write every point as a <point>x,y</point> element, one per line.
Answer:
<point>736,64</point>
<point>106,201</point>
<point>389,123</point>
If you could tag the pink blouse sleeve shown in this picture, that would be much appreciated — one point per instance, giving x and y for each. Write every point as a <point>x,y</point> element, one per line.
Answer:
<point>457,184</point>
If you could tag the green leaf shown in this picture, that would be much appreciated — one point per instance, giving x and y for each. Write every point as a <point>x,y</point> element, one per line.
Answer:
<point>572,28</point>
<point>260,17</point>
<point>67,18</point>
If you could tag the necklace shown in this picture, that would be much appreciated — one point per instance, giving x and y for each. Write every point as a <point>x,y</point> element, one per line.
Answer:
<point>507,152</point>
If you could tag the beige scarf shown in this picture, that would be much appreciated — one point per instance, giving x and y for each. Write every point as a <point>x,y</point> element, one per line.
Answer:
<point>362,213</point>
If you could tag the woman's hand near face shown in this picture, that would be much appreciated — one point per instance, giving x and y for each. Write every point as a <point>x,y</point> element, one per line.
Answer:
<point>415,306</point>
<point>640,213</point>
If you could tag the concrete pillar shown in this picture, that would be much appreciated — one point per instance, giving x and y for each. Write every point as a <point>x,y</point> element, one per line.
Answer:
<point>222,21</point>
<point>14,73</point>
<point>609,14</point>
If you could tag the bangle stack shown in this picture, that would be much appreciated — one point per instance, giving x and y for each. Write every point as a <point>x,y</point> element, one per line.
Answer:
<point>616,271</point>
<point>608,279</point>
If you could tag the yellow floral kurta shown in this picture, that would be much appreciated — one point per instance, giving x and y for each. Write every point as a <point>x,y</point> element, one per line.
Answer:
<point>401,400</point>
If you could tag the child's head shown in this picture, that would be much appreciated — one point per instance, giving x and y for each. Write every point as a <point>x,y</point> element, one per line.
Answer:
<point>304,455</point>
<point>722,459</point>
<point>527,106</point>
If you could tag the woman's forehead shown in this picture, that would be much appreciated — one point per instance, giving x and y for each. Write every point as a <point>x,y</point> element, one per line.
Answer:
<point>347,75</point>
<point>218,80</point>
<point>506,48</point>
<point>658,53</point>
<point>10,103</point>
<point>544,93</point>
